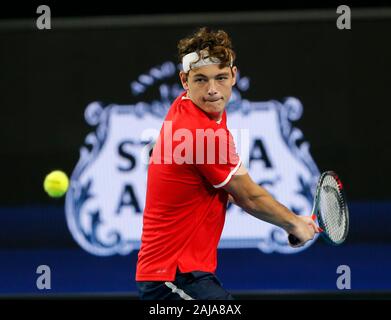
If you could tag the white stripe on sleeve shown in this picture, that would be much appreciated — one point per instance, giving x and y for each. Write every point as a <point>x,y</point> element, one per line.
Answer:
<point>229,176</point>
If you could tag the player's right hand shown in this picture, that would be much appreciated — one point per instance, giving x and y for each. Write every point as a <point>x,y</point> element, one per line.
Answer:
<point>304,230</point>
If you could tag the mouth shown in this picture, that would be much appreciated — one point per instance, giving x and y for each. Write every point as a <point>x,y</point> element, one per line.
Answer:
<point>212,100</point>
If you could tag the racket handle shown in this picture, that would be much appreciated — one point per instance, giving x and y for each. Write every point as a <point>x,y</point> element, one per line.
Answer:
<point>293,240</point>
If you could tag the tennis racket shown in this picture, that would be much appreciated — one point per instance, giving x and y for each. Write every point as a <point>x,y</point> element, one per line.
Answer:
<point>329,209</point>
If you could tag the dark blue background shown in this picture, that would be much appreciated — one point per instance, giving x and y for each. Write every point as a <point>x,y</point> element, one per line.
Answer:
<point>42,238</point>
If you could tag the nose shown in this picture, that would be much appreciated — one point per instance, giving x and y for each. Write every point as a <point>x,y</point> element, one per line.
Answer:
<point>212,88</point>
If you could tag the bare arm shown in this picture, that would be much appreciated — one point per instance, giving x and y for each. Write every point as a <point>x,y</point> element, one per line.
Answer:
<point>255,200</point>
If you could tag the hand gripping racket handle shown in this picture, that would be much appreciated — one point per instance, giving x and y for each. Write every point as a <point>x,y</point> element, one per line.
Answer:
<point>294,240</point>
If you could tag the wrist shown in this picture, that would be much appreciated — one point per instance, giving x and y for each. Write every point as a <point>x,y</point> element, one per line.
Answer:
<point>291,222</point>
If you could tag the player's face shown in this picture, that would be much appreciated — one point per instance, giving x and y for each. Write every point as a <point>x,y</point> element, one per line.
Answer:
<point>210,87</point>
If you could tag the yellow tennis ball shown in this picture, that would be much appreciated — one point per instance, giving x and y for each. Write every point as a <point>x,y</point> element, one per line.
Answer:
<point>56,183</point>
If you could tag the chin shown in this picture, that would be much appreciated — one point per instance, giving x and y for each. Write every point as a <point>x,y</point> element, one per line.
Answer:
<point>215,110</point>
<point>216,107</point>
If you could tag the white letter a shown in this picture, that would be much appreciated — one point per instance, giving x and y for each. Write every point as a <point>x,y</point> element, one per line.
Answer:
<point>43,21</point>
<point>43,281</point>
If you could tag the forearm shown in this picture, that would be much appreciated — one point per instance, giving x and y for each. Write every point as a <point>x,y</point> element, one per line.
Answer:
<point>255,200</point>
<point>258,202</point>
<point>264,207</point>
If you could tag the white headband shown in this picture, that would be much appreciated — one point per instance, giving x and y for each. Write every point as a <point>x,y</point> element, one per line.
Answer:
<point>192,60</point>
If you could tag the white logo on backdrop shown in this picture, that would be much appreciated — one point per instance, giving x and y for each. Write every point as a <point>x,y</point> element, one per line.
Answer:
<point>105,202</point>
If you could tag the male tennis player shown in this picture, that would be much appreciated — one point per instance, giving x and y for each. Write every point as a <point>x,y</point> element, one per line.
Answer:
<point>193,172</point>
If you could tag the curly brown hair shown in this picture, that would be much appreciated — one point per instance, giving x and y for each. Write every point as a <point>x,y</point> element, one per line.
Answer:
<point>218,44</point>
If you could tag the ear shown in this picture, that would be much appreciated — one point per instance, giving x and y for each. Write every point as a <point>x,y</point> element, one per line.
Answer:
<point>183,76</point>
<point>234,70</point>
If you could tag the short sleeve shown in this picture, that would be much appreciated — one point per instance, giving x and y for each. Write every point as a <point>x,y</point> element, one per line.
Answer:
<point>216,156</point>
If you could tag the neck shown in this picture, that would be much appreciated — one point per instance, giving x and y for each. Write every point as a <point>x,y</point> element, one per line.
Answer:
<point>216,116</point>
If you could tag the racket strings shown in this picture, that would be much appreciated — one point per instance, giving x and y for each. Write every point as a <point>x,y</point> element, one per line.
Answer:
<point>332,210</point>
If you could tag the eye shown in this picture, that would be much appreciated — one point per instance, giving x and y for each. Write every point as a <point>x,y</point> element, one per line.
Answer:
<point>222,78</point>
<point>199,80</point>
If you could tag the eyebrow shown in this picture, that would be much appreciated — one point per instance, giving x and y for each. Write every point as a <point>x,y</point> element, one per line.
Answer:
<point>218,75</point>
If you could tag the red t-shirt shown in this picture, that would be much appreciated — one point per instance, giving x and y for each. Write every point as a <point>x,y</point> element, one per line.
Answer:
<point>185,205</point>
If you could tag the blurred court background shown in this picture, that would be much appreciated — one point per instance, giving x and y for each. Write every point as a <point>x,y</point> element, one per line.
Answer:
<point>56,85</point>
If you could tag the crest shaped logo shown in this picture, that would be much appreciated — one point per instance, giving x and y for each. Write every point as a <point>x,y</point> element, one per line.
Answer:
<point>104,204</point>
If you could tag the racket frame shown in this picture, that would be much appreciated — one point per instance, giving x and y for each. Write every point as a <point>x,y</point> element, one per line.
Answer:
<point>316,211</point>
